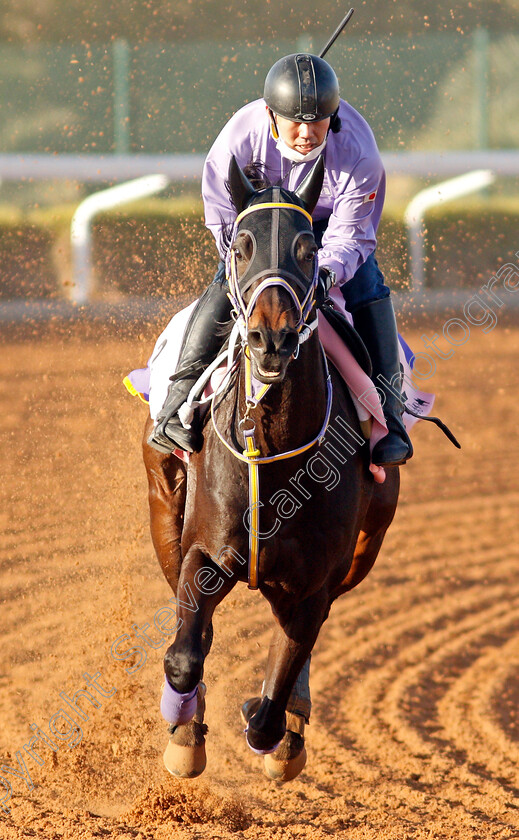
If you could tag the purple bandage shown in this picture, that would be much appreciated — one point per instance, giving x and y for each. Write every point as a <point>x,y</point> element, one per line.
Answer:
<point>177,708</point>
<point>260,752</point>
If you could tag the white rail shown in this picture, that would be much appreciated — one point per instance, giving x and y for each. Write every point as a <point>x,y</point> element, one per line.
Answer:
<point>431,197</point>
<point>81,227</point>
<point>112,168</point>
<point>98,168</point>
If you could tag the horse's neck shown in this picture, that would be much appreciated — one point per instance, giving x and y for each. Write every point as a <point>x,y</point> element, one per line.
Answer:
<point>291,413</point>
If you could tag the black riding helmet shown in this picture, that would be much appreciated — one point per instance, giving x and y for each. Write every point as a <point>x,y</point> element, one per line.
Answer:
<point>303,88</point>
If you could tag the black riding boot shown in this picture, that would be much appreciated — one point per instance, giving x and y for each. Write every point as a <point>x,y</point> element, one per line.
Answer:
<point>376,325</point>
<point>200,346</point>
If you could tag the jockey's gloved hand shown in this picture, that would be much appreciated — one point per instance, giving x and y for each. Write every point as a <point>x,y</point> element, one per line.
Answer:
<point>159,434</point>
<point>169,432</point>
<point>325,281</point>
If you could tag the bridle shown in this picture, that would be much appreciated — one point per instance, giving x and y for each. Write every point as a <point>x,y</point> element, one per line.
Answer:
<point>269,275</point>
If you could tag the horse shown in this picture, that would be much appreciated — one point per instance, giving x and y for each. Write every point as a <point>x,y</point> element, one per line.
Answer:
<point>312,529</point>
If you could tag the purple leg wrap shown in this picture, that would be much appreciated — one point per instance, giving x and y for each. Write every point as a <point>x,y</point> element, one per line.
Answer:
<point>177,708</point>
<point>260,752</point>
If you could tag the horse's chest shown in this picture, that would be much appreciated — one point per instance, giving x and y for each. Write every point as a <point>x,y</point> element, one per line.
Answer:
<point>300,534</point>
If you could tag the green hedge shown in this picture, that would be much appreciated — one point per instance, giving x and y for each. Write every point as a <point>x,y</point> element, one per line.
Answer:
<point>155,255</point>
<point>162,248</point>
<point>466,243</point>
<point>26,265</point>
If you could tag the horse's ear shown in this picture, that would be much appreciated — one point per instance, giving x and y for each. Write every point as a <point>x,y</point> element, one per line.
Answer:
<point>240,186</point>
<point>309,190</point>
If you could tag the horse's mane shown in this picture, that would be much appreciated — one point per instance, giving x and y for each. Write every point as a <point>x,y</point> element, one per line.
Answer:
<point>256,171</point>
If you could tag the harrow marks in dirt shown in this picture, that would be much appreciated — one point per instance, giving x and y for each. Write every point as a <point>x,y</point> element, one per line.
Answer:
<point>415,677</point>
<point>426,680</point>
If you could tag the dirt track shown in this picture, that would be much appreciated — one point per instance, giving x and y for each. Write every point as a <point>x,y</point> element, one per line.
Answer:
<point>415,726</point>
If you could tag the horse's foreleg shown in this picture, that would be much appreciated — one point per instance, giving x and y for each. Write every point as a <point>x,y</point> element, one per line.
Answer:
<point>167,497</point>
<point>202,585</point>
<point>378,518</point>
<point>185,751</point>
<point>291,646</point>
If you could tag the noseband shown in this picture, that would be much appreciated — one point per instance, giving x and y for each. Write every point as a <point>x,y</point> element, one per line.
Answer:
<point>264,266</point>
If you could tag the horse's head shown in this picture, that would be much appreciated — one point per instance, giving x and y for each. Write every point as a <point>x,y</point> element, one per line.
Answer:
<point>272,267</point>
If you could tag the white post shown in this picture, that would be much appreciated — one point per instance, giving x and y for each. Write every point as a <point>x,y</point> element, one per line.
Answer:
<point>81,227</point>
<point>430,197</point>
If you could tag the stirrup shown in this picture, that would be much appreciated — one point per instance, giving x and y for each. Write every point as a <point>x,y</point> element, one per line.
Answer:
<point>381,460</point>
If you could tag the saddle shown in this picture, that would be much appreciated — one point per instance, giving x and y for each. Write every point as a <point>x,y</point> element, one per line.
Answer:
<point>348,334</point>
<point>342,341</point>
<point>417,404</point>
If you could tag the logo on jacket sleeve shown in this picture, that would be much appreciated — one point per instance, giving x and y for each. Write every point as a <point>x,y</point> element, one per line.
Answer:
<point>371,197</point>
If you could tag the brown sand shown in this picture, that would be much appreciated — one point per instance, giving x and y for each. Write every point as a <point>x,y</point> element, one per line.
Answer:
<point>415,677</point>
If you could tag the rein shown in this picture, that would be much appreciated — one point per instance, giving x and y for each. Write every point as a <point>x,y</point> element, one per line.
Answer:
<point>254,392</point>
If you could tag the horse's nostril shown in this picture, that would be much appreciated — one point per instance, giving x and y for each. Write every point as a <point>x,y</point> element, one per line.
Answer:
<point>273,344</point>
<point>289,344</point>
<point>254,339</point>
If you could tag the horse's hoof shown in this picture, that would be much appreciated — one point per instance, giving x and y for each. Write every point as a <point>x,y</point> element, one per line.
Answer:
<point>184,756</point>
<point>289,759</point>
<point>285,769</point>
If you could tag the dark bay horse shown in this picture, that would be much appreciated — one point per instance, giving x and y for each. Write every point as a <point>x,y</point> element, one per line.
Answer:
<point>312,530</point>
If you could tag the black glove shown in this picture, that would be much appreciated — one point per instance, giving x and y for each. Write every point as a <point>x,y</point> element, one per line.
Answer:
<point>159,438</point>
<point>325,281</point>
<point>177,394</point>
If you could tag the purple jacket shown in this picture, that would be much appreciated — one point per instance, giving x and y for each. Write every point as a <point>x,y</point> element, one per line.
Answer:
<point>353,190</point>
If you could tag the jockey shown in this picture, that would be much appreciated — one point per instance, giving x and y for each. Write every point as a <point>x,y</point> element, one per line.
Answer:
<point>300,117</point>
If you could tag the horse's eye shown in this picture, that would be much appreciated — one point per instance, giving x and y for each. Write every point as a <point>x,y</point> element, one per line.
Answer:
<point>238,254</point>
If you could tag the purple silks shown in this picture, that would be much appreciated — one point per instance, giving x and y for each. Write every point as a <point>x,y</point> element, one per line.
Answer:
<point>352,196</point>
